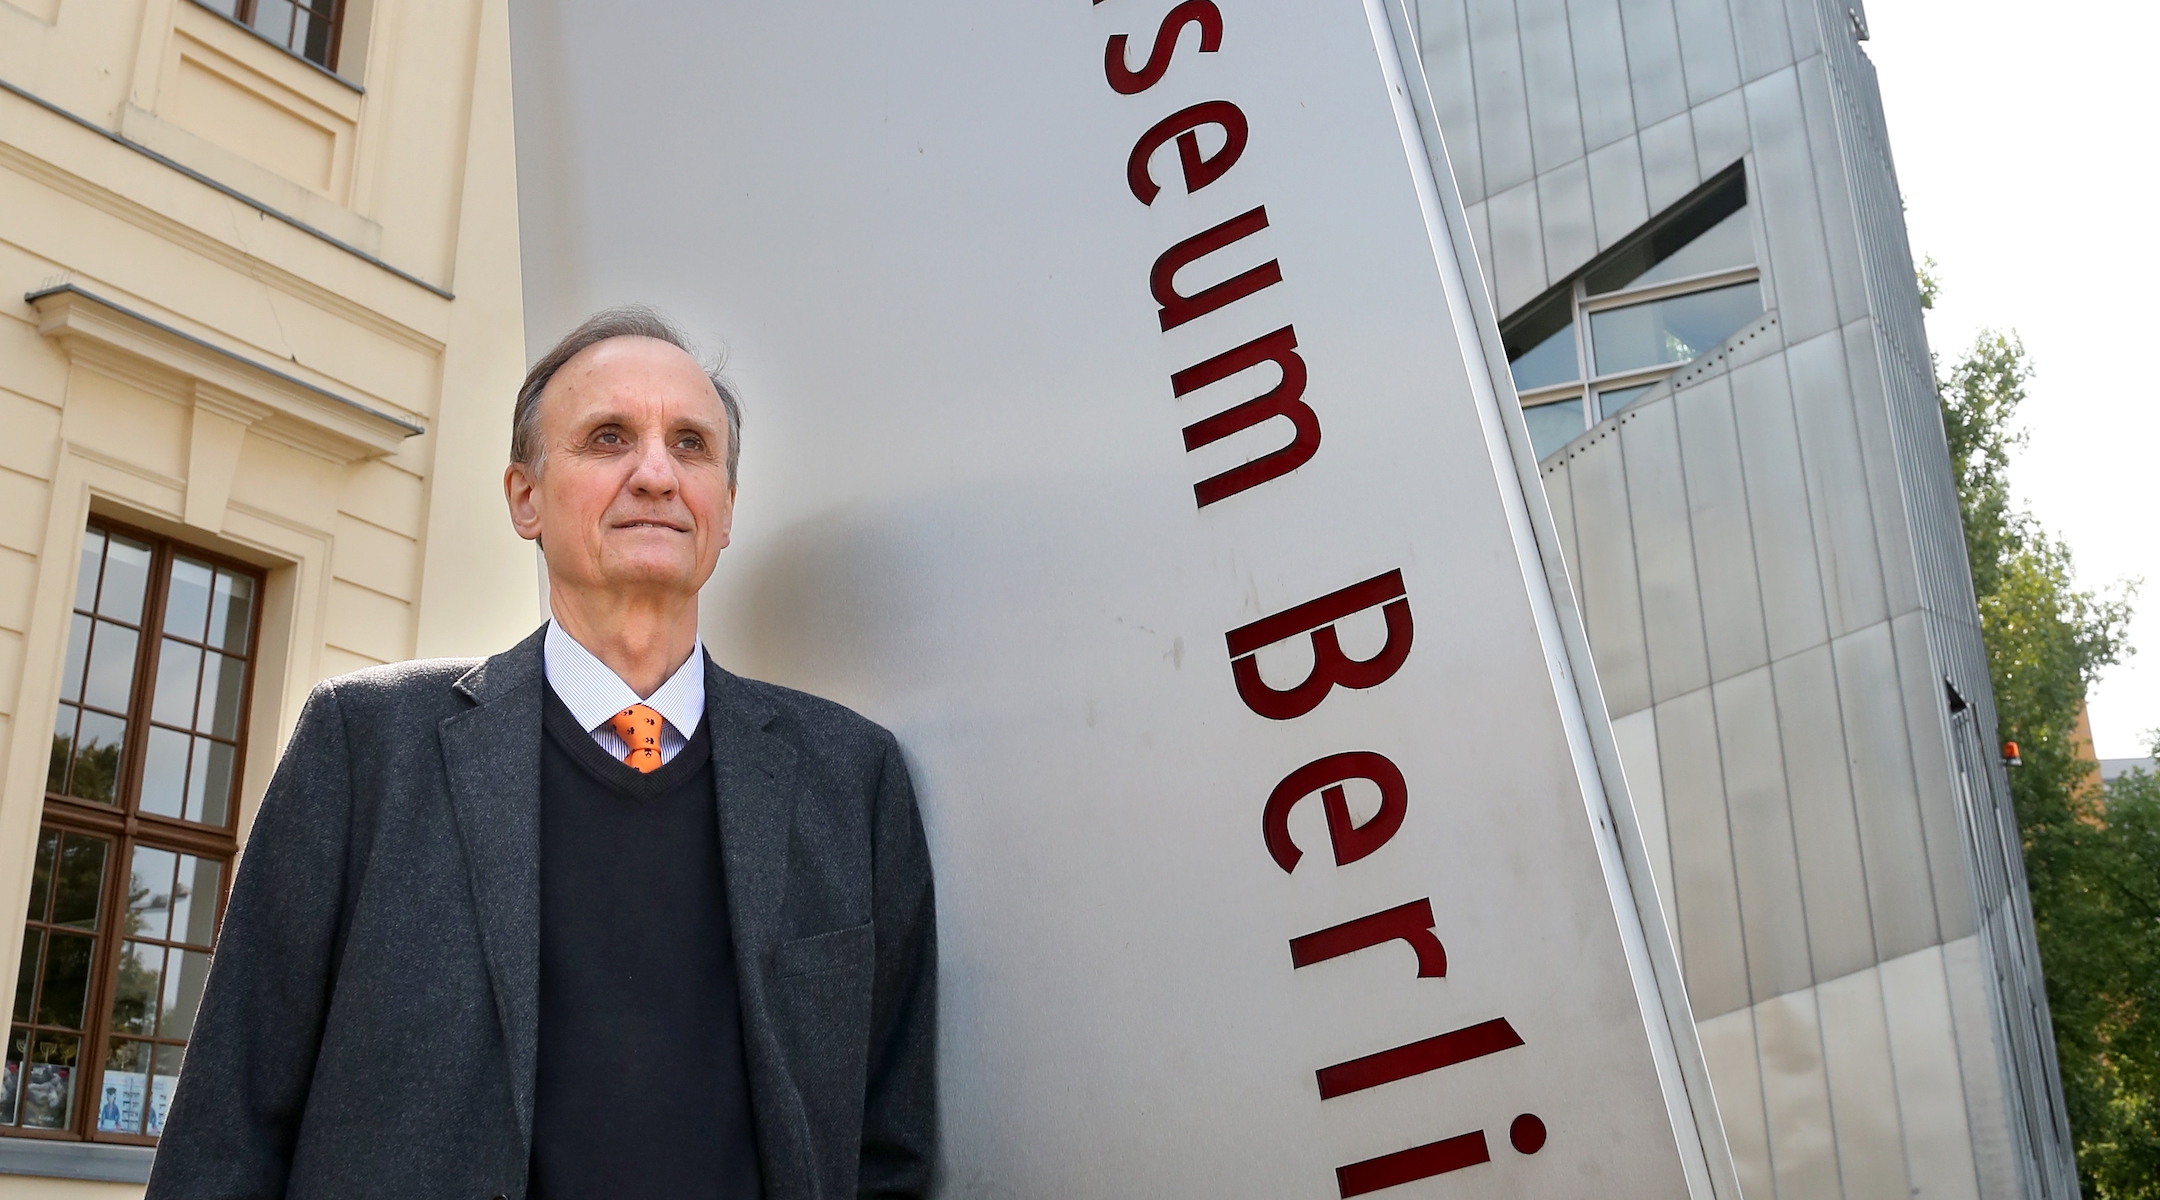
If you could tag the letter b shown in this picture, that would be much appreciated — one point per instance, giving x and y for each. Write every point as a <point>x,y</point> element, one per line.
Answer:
<point>1330,665</point>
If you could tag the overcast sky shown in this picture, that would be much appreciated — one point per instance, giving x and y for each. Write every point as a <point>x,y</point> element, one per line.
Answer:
<point>2025,144</point>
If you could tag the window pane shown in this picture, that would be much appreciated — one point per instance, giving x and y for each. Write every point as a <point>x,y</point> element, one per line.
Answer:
<point>1549,362</point>
<point>127,576</point>
<point>1648,258</point>
<point>165,773</point>
<point>86,571</point>
<point>126,1086</point>
<point>274,20</point>
<point>96,774</point>
<point>63,749</point>
<point>1553,425</point>
<point>134,1007</point>
<point>150,888</point>
<point>49,1082</point>
<point>26,972</point>
<point>316,46</point>
<point>210,782</point>
<point>71,672</point>
<point>1730,243</point>
<point>67,980</point>
<point>185,971</point>
<point>48,847</point>
<point>220,709</point>
<point>187,599</point>
<point>163,1078</point>
<point>178,669</point>
<point>230,8</point>
<point>232,607</point>
<point>11,1082</point>
<point>110,679</point>
<point>1672,330</point>
<point>81,879</point>
<point>194,907</point>
<point>1612,401</point>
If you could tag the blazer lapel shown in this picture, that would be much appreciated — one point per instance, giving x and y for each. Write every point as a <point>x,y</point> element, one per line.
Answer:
<point>754,778</point>
<point>491,759</point>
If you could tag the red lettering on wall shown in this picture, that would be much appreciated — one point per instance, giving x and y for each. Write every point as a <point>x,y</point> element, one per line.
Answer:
<point>1193,12</point>
<point>1283,400</point>
<point>1351,842</point>
<point>1184,125</point>
<point>1178,308</point>
<point>1410,923</point>
<point>1417,1058</point>
<point>1418,1162</point>
<point>1330,665</point>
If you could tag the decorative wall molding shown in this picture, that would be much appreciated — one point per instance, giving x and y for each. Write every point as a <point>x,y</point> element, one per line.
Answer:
<point>228,389</point>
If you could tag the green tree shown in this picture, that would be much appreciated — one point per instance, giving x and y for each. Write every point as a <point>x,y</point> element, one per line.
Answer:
<point>2092,858</point>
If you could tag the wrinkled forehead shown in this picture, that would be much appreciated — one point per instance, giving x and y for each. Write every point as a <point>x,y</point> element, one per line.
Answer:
<point>634,378</point>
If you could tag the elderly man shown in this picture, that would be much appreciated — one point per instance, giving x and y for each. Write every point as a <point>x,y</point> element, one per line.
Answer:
<point>592,917</point>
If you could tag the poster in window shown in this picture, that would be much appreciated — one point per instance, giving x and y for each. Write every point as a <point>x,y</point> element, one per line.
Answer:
<point>161,1093</point>
<point>120,1108</point>
<point>46,1092</point>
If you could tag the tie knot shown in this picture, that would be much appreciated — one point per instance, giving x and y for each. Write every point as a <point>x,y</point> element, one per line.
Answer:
<point>639,728</point>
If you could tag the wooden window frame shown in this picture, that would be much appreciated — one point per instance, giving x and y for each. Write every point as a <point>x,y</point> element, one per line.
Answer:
<point>243,15</point>
<point>125,828</point>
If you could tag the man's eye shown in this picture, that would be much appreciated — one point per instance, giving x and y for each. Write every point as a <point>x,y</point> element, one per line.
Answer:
<point>608,437</point>
<point>691,443</point>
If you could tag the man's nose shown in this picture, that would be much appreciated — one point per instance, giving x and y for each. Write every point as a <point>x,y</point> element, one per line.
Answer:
<point>655,473</point>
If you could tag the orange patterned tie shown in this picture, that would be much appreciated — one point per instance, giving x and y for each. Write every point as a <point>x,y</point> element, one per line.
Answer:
<point>639,728</point>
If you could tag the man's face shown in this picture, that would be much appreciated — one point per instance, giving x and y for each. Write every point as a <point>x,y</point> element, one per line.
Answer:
<point>633,494</point>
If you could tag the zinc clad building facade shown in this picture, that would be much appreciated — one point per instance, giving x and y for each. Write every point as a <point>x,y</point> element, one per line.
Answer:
<point>259,325</point>
<point>1688,216</point>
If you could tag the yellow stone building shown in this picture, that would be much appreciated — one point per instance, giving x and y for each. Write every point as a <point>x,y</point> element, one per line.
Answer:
<point>259,332</point>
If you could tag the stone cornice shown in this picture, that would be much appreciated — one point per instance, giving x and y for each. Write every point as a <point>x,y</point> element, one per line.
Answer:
<point>273,403</point>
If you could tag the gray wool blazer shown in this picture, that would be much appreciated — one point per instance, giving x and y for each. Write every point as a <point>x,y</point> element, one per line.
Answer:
<point>369,1025</point>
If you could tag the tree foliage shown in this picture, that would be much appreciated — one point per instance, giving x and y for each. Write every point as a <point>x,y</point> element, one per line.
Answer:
<point>2092,858</point>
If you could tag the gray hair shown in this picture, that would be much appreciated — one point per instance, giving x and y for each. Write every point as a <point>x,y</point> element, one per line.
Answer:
<point>629,320</point>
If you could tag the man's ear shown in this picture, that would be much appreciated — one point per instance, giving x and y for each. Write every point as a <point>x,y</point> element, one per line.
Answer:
<point>522,493</point>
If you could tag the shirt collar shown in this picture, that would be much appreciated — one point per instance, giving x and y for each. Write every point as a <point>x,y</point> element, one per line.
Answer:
<point>593,692</point>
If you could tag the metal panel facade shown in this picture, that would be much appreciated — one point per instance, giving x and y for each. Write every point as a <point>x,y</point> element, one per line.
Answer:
<point>1849,903</point>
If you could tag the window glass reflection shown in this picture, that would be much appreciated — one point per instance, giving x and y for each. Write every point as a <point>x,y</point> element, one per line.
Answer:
<point>1728,244</point>
<point>1672,330</point>
<point>1612,400</point>
<point>232,607</point>
<point>78,654</point>
<point>210,782</point>
<point>187,599</point>
<point>150,891</point>
<point>110,679</point>
<point>86,571</point>
<point>96,773</point>
<point>165,773</point>
<point>127,576</point>
<point>1549,362</point>
<point>179,666</point>
<point>1553,425</point>
<point>1702,235</point>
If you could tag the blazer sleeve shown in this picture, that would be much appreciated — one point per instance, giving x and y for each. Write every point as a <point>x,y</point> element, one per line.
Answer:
<point>236,1116</point>
<point>900,1110</point>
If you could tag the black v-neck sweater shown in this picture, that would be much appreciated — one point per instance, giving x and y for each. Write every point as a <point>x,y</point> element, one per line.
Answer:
<point>642,1087</point>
